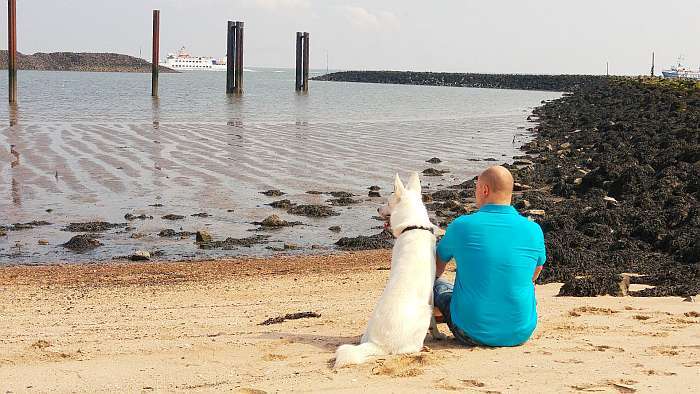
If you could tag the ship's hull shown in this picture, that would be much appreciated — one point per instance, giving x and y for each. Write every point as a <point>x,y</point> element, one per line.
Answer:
<point>180,67</point>
<point>683,75</point>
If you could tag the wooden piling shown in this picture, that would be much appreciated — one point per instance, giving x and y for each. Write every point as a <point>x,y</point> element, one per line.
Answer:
<point>306,62</point>
<point>299,62</point>
<point>652,64</point>
<point>156,53</point>
<point>238,89</point>
<point>12,49</point>
<point>230,56</point>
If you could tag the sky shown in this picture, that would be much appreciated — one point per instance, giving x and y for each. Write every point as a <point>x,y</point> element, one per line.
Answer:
<point>490,36</point>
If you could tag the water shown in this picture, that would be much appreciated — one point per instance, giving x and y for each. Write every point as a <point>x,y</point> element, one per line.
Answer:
<point>95,146</point>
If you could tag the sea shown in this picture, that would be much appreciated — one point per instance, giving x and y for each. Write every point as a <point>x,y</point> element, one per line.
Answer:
<point>81,147</point>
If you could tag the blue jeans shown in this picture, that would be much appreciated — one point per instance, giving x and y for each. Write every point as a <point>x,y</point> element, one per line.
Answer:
<point>442,296</point>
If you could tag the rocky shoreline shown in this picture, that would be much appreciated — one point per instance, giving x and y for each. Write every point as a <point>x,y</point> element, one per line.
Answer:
<point>85,62</point>
<point>613,178</point>
<point>556,83</point>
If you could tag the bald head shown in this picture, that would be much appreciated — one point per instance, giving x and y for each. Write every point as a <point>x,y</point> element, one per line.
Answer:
<point>494,186</point>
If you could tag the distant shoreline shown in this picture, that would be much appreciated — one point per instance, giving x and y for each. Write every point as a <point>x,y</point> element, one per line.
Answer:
<point>81,62</point>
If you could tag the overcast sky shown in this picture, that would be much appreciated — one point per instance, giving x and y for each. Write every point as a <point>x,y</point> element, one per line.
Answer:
<point>494,36</point>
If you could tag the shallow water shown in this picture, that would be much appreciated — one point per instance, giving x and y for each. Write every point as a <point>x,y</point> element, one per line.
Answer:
<point>95,146</point>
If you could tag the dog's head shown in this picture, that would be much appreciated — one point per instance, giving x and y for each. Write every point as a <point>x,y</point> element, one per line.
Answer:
<point>405,205</point>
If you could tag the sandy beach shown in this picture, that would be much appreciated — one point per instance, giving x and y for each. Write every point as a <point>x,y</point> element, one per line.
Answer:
<point>195,326</point>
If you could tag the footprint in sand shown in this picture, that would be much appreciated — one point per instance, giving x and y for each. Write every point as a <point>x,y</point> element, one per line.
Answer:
<point>405,365</point>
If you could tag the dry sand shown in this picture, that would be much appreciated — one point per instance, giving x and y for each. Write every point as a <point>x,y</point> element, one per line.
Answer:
<point>163,327</point>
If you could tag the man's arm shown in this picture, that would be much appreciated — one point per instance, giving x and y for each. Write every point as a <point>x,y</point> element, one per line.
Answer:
<point>439,266</point>
<point>538,269</point>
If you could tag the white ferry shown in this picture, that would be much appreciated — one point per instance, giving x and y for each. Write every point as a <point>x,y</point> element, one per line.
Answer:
<point>680,71</point>
<point>184,62</point>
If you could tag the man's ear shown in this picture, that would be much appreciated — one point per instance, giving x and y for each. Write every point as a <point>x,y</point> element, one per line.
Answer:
<point>414,183</point>
<point>398,186</point>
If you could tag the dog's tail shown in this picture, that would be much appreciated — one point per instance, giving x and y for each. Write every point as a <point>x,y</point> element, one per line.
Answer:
<point>356,354</point>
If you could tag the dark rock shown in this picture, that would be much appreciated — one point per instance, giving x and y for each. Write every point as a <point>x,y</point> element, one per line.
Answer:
<point>373,193</point>
<point>314,192</point>
<point>312,211</point>
<point>168,232</point>
<point>92,227</point>
<point>335,229</point>
<point>273,193</point>
<point>374,188</point>
<point>82,243</point>
<point>591,286</point>
<point>343,201</point>
<point>383,240</point>
<point>434,160</point>
<point>29,225</point>
<point>201,215</point>
<point>283,204</point>
<point>434,172</point>
<point>274,221</point>
<point>233,243</point>
<point>341,194</point>
<point>140,255</point>
<point>490,159</point>
<point>203,236</point>
<point>171,216</point>
<point>130,217</point>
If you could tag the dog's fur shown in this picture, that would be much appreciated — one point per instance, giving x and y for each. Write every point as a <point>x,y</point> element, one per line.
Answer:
<point>401,318</point>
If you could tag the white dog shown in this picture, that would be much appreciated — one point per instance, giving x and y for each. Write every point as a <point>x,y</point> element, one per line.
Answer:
<point>403,314</point>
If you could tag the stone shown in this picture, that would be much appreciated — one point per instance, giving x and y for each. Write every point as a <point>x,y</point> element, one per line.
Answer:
<point>518,187</point>
<point>690,299</point>
<point>273,221</point>
<point>273,193</point>
<point>434,160</point>
<point>535,212</point>
<point>374,188</point>
<point>291,246</point>
<point>335,229</point>
<point>523,204</point>
<point>565,145</point>
<point>43,242</point>
<point>82,242</point>
<point>523,162</point>
<point>578,181</point>
<point>283,204</point>
<point>140,255</point>
<point>373,193</point>
<point>203,236</point>
<point>434,172</point>
<point>130,216</point>
<point>171,216</point>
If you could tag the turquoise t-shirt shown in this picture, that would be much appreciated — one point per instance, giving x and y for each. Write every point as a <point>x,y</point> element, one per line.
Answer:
<point>496,250</point>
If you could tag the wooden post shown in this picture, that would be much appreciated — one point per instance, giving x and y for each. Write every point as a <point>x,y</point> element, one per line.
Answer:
<point>156,53</point>
<point>607,69</point>
<point>299,60</point>
<point>12,49</point>
<point>230,56</point>
<point>238,89</point>
<point>306,62</point>
<point>652,64</point>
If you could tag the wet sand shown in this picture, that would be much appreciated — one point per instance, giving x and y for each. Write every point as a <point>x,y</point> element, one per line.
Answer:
<point>194,326</point>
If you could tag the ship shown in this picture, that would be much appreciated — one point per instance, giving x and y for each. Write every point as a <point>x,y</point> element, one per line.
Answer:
<point>681,71</point>
<point>182,61</point>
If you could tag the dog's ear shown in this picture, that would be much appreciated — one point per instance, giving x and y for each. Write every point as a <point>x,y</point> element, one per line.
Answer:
<point>398,186</point>
<point>414,183</point>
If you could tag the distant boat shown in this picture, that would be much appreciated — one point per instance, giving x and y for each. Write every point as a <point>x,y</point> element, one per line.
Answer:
<point>184,62</point>
<point>680,71</point>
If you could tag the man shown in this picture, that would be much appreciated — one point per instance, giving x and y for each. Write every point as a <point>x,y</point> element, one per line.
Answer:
<point>499,255</point>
